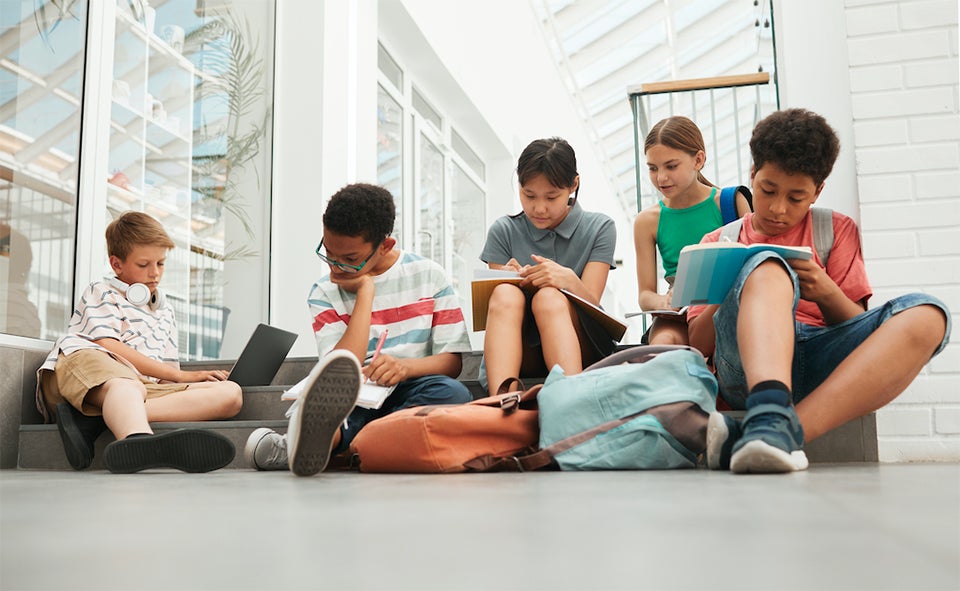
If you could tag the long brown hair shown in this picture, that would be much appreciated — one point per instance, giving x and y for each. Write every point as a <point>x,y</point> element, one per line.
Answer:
<point>680,133</point>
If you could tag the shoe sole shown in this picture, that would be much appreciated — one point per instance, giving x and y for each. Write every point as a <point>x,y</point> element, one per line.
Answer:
<point>188,450</point>
<point>717,433</point>
<point>323,409</point>
<point>250,449</point>
<point>759,457</point>
<point>74,443</point>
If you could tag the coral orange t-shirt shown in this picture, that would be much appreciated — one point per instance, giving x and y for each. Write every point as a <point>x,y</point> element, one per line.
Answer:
<point>845,264</point>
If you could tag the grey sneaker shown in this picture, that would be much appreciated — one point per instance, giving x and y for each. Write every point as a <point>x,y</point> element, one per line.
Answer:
<point>266,450</point>
<point>331,393</point>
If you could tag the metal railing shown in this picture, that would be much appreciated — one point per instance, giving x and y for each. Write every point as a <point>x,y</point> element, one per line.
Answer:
<point>724,107</point>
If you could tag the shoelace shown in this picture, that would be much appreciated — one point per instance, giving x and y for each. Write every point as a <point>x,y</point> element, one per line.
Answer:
<point>279,455</point>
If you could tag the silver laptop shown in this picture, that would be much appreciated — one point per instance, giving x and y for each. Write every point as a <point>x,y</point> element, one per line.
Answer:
<point>262,356</point>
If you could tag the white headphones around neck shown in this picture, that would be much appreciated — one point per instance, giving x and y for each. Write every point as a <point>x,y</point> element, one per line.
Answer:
<point>139,294</point>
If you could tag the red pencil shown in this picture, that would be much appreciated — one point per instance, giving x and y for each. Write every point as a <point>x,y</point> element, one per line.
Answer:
<point>376,352</point>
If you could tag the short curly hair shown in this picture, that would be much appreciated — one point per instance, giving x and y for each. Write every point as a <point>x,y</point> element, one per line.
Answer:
<point>797,141</point>
<point>362,210</point>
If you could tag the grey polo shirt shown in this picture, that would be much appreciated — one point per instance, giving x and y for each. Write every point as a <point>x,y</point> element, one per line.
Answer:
<point>582,237</point>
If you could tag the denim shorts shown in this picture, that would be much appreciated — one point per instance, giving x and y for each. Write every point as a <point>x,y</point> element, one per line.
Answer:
<point>818,350</point>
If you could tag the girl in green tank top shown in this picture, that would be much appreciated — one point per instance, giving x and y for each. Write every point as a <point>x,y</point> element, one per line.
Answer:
<point>689,209</point>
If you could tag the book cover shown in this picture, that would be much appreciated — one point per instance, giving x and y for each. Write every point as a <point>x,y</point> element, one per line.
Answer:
<point>613,325</point>
<point>484,280</point>
<point>707,271</point>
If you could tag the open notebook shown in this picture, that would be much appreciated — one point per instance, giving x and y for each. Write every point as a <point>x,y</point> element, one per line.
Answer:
<point>371,395</point>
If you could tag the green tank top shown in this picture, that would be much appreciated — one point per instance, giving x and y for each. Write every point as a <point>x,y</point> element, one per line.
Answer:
<point>679,227</point>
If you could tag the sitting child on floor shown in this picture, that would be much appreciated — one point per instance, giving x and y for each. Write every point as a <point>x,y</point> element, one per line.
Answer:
<point>791,332</point>
<point>691,207</point>
<point>117,367</point>
<point>373,289</point>
<point>554,245</point>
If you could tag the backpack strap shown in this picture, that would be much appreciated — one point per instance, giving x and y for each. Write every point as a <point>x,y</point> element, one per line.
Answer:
<point>728,204</point>
<point>822,232</point>
<point>731,231</point>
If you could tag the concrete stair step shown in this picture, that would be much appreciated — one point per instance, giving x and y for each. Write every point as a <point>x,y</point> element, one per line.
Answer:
<point>40,446</point>
<point>42,449</point>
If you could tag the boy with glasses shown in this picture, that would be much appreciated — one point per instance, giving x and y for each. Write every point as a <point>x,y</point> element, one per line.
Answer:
<point>373,288</point>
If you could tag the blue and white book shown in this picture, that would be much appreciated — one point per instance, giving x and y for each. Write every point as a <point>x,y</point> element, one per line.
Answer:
<point>706,271</point>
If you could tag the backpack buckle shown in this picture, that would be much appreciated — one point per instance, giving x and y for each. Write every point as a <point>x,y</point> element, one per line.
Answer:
<point>510,403</point>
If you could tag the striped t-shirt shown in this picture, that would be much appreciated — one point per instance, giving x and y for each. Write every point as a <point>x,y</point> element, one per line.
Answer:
<point>104,313</point>
<point>413,301</point>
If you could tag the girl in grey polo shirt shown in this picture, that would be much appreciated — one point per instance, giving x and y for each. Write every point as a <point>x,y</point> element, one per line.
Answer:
<point>552,244</point>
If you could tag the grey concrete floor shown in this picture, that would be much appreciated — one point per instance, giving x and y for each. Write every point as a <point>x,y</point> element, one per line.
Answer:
<point>863,526</point>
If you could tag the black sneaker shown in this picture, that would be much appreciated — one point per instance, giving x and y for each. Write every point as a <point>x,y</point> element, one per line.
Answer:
<point>189,450</point>
<point>79,433</point>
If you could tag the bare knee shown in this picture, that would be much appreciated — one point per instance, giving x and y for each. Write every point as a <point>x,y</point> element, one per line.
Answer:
<point>668,333</point>
<point>549,302</point>
<point>768,275</point>
<point>229,398</point>
<point>770,270</point>
<point>925,327</point>
<point>122,387</point>
<point>507,297</point>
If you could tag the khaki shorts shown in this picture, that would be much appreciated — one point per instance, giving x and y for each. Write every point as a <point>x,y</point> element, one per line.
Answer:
<point>81,371</point>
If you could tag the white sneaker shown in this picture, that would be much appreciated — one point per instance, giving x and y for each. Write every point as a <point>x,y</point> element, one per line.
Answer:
<point>330,394</point>
<point>266,450</point>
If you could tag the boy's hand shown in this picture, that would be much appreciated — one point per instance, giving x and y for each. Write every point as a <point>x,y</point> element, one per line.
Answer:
<point>203,375</point>
<point>354,284</point>
<point>815,284</point>
<point>548,273</point>
<point>512,265</point>
<point>387,370</point>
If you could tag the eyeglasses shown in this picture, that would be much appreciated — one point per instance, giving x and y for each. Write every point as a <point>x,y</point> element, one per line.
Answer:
<point>345,267</point>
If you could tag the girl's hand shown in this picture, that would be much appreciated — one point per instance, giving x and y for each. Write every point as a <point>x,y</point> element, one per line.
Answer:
<point>387,370</point>
<point>548,273</point>
<point>512,265</point>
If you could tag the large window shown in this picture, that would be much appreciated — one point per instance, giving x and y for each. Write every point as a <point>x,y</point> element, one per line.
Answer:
<point>41,89</point>
<point>439,182</point>
<point>176,123</point>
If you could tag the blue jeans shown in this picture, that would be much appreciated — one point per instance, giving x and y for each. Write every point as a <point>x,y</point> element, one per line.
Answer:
<point>422,391</point>
<point>818,350</point>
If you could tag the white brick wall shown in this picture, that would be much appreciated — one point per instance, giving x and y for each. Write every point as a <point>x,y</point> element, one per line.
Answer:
<point>904,76</point>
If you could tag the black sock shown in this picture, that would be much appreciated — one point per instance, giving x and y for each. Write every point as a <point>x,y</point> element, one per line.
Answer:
<point>771,385</point>
<point>769,392</point>
<point>138,435</point>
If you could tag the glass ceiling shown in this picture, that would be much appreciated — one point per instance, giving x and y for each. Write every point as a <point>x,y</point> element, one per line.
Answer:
<point>603,47</point>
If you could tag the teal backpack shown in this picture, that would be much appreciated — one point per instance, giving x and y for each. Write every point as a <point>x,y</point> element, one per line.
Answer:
<point>641,408</point>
